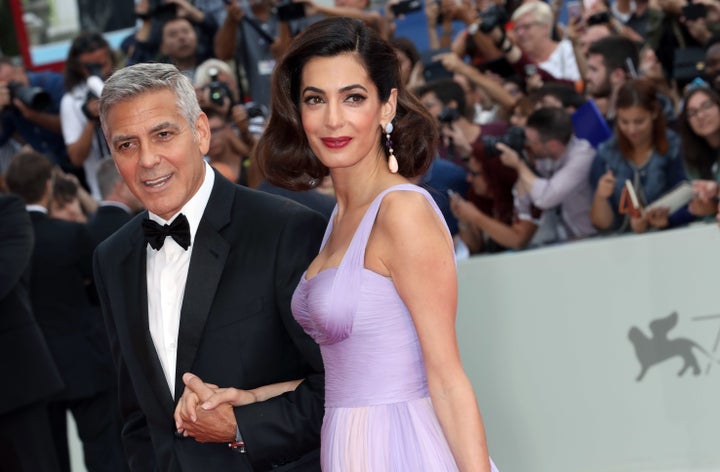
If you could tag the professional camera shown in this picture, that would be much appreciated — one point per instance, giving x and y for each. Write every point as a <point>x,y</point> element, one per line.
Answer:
<point>448,115</point>
<point>218,90</point>
<point>94,81</point>
<point>514,138</point>
<point>492,16</point>
<point>162,11</point>
<point>32,97</point>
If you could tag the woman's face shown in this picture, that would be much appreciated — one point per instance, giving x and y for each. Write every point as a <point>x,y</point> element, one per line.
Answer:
<point>341,112</point>
<point>476,178</point>
<point>636,123</point>
<point>703,115</point>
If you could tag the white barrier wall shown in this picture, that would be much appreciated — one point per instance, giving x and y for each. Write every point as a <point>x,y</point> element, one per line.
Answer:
<point>544,336</point>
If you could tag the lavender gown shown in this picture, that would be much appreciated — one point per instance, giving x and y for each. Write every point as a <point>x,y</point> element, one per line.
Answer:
<point>378,414</point>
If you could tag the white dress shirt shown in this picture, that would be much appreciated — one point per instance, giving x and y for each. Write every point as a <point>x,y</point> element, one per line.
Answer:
<point>167,270</point>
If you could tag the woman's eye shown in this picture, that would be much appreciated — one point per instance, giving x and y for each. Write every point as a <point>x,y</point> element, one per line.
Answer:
<point>356,98</point>
<point>313,100</point>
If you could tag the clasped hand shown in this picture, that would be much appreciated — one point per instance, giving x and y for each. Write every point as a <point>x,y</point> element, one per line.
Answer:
<point>205,411</point>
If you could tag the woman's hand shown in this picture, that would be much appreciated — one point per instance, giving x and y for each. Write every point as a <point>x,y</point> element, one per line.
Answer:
<point>658,217</point>
<point>700,208</point>
<point>606,185</point>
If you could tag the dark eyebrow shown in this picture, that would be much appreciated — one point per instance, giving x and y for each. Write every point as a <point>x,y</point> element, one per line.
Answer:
<point>153,130</point>
<point>347,88</point>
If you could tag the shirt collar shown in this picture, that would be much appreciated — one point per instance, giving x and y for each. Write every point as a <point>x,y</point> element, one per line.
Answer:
<point>195,207</point>
<point>38,208</point>
<point>112,203</point>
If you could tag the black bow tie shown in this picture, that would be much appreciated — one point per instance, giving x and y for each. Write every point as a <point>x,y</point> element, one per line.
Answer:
<point>155,234</point>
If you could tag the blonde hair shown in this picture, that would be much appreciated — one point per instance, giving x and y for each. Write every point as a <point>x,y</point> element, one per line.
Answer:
<point>540,11</point>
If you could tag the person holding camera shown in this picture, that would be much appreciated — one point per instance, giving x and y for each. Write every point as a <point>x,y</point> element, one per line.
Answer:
<point>445,99</point>
<point>30,110</point>
<point>90,61</point>
<point>187,42</point>
<point>558,181</point>
<point>254,39</point>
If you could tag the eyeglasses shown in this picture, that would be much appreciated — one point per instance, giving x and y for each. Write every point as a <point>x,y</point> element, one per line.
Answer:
<point>704,106</point>
<point>526,26</point>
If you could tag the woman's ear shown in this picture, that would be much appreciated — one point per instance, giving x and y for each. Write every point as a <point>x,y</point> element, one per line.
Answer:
<point>389,108</point>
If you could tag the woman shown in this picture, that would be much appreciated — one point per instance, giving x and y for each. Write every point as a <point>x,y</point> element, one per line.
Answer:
<point>642,151</point>
<point>380,298</point>
<point>700,133</point>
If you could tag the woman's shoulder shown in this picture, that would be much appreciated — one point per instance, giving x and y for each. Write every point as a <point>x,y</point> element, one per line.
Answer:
<point>405,206</point>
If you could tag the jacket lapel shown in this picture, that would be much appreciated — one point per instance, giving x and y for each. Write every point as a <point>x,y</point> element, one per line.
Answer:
<point>210,251</point>
<point>134,302</point>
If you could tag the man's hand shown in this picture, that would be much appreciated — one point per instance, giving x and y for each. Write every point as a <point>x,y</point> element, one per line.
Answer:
<point>4,95</point>
<point>205,425</point>
<point>658,217</point>
<point>508,156</point>
<point>706,190</point>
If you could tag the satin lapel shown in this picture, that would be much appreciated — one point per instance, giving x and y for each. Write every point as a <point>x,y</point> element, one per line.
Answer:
<point>134,303</point>
<point>210,251</point>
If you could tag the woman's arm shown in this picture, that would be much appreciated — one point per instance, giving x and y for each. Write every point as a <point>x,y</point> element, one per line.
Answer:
<point>413,246</point>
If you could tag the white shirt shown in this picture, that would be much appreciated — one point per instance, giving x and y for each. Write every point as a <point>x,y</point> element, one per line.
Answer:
<point>167,270</point>
<point>561,64</point>
<point>73,120</point>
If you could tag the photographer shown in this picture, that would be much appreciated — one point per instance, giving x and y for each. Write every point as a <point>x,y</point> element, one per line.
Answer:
<point>90,61</point>
<point>446,100</point>
<point>30,110</point>
<point>146,45</point>
<point>254,39</point>
<point>558,182</point>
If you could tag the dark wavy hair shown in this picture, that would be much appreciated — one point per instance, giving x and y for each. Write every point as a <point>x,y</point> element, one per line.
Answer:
<point>641,93</point>
<point>283,152</point>
<point>696,150</point>
<point>83,43</point>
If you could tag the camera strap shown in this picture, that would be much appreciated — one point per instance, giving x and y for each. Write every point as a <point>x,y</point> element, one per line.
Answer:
<point>264,34</point>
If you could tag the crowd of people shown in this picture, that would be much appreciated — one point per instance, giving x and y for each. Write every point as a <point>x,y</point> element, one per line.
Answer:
<point>537,133</point>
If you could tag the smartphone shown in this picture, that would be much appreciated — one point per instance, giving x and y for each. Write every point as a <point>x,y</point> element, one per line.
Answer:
<point>694,11</point>
<point>530,70</point>
<point>574,10</point>
<point>406,6</point>
<point>290,11</point>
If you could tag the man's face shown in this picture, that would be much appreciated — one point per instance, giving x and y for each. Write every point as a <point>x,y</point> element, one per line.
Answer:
<point>432,103</point>
<point>9,73</point>
<point>597,79</point>
<point>156,152</point>
<point>535,145</point>
<point>712,66</point>
<point>179,41</point>
<point>592,34</point>
<point>100,57</point>
<point>530,33</point>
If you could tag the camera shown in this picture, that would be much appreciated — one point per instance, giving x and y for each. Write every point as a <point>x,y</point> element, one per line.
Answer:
<point>218,90</point>
<point>289,10</point>
<point>403,7</point>
<point>600,18</point>
<point>448,115</point>
<point>694,11</point>
<point>492,16</point>
<point>32,97</point>
<point>162,11</point>
<point>514,138</point>
<point>94,81</point>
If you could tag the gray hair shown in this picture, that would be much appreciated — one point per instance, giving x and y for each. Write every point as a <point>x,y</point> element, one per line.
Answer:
<point>202,72</point>
<point>132,81</point>
<point>107,176</point>
<point>540,12</point>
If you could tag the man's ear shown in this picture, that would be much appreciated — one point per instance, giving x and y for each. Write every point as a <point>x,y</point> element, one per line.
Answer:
<point>617,77</point>
<point>202,127</point>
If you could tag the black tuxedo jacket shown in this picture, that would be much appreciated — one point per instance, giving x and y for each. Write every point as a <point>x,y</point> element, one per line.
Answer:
<point>72,325</point>
<point>106,220</point>
<point>25,361</point>
<point>236,329</point>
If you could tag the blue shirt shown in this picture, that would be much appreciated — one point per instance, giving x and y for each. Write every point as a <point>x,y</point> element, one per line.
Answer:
<point>652,180</point>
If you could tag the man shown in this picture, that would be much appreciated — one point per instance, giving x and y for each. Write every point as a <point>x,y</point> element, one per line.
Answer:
<point>61,272</point>
<point>559,183</point>
<point>117,206</point>
<point>213,299</point>
<point>610,62</point>
<point>24,427</point>
<point>39,128</point>
<point>89,55</point>
<point>254,39</point>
